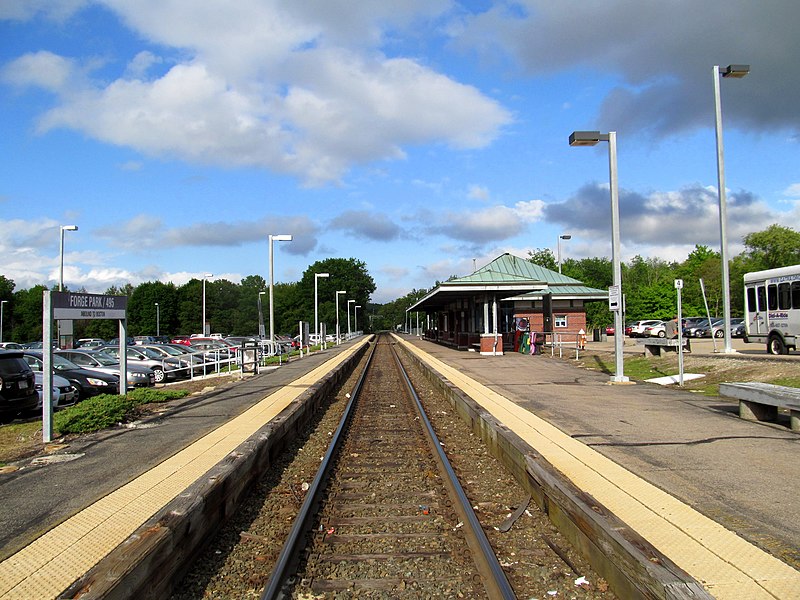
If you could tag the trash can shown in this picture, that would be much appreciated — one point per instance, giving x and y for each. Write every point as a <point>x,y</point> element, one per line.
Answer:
<point>249,357</point>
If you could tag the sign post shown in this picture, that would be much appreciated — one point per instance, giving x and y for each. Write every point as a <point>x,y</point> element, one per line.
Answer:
<point>678,288</point>
<point>69,306</point>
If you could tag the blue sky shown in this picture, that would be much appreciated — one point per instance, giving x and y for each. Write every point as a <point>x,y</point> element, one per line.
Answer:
<point>421,137</point>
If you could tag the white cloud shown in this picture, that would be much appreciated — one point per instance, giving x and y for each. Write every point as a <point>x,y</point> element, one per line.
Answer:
<point>478,192</point>
<point>271,88</point>
<point>793,191</point>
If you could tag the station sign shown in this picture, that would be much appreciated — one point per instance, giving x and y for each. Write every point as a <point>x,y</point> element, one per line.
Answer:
<point>70,305</point>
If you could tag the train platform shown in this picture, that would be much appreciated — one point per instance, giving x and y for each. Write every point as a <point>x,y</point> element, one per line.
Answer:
<point>714,493</point>
<point>64,511</point>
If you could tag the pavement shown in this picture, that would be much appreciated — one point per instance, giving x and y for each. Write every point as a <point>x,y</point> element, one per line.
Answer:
<point>741,474</point>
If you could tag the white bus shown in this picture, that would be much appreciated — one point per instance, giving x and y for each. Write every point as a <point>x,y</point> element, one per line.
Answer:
<point>772,308</point>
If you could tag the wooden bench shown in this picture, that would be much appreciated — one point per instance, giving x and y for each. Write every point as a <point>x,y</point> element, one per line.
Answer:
<point>760,401</point>
<point>653,346</point>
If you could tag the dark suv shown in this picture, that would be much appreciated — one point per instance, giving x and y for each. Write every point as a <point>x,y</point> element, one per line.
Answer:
<point>17,386</point>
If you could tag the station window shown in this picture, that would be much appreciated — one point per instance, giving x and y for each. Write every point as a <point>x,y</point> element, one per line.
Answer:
<point>560,321</point>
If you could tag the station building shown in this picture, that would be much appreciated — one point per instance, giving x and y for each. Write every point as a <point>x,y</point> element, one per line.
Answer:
<point>488,310</point>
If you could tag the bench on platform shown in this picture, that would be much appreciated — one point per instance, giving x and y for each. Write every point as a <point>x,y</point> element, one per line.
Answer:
<point>761,401</point>
<point>653,346</point>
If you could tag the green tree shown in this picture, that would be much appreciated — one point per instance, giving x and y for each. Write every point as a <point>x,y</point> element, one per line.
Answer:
<point>776,246</point>
<point>544,258</point>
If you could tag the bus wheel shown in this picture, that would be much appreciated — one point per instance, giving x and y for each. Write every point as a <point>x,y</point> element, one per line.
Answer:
<point>775,345</point>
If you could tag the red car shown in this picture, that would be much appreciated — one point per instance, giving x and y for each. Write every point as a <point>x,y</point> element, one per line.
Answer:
<point>609,330</point>
<point>180,339</point>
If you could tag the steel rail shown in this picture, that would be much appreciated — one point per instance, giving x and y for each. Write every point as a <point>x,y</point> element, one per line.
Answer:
<point>492,574</point>
<point>289,556</point>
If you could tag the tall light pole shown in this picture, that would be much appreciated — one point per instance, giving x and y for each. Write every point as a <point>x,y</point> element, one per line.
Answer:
<point>338,331</point>
<point>348,317</point>
<point>590,138</point>
<point>561,237</point>
<point>316,305</point>
<point>206,276</point>
<point>737,72</point>
<point>158,320</point>
<point>2,306</point>
<point>61,255</point>
<point>273,238</point>
<point>355,317</point>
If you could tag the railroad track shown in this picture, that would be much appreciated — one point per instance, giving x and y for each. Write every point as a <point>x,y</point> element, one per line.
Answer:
<point>385,513</point>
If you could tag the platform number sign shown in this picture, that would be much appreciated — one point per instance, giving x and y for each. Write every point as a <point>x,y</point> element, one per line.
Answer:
<point>613,298</point>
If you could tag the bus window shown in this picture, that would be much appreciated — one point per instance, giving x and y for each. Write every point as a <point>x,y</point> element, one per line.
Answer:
<point>751,300</point>
<point>784,298</point>
<point>796,294</point>
<point>772,297</point>
<point>762,298</point>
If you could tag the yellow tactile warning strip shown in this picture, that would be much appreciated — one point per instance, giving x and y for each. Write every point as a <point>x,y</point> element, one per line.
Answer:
<point>56,559</point>
<point>728,566</point>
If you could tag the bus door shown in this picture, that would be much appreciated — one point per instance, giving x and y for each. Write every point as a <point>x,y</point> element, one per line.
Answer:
<point>757,313</point>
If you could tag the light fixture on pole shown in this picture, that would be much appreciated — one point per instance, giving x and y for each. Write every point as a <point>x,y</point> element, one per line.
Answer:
<point>561,237</point>
<point>348,317</point>
<point>158,321</point>
<point>206,276</point>
<point>737,72</point>
<point>355,317</point>
<point>273,238</point>
<point>590,138</point>
<point>338,331</point>
<point>316,305</point>
<point>61,255</point>
<point>2,306</point>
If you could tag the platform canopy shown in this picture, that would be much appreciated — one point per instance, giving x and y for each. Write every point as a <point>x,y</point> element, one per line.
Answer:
<point>506,277</point>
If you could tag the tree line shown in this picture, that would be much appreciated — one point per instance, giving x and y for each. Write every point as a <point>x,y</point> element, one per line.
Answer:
<point>231,308</point>
<point>648,284</point>
<point>648,287</point>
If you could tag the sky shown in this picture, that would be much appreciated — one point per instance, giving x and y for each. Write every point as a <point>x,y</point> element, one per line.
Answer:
<point>424,137</point>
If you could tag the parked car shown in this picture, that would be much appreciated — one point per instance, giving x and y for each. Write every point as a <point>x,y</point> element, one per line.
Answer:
<point>656,330</point>
<point>609,330</point>
<point>163,368</point>
<point>87,382</point>
<point>140,340</point>
<point>11,346</point>
<point>698,328</point>
<point>186,359</point>
<point>180,339</point>
<point>138,376</point>
<point>17,386</point>
<point>718,328</point>
<point>64,393</point>
<point>90,343</point>
<point>638,327</point>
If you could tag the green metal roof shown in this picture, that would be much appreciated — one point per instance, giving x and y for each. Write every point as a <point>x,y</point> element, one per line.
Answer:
<point>508,276</point>
<point>508,268</point>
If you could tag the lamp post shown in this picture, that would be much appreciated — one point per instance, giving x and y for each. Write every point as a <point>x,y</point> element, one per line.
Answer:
<point>561,237</point>
<point>348,317</point>
<point>61,255</point>
<point>2,306</point>
<point>590,138</point>
<point>158,320</point>
<point>272,238</point>
<point>206,276</point>
<point>355,317</point>
<point>338,332</point>
<point>316,305</point>
<point>737,72</point>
